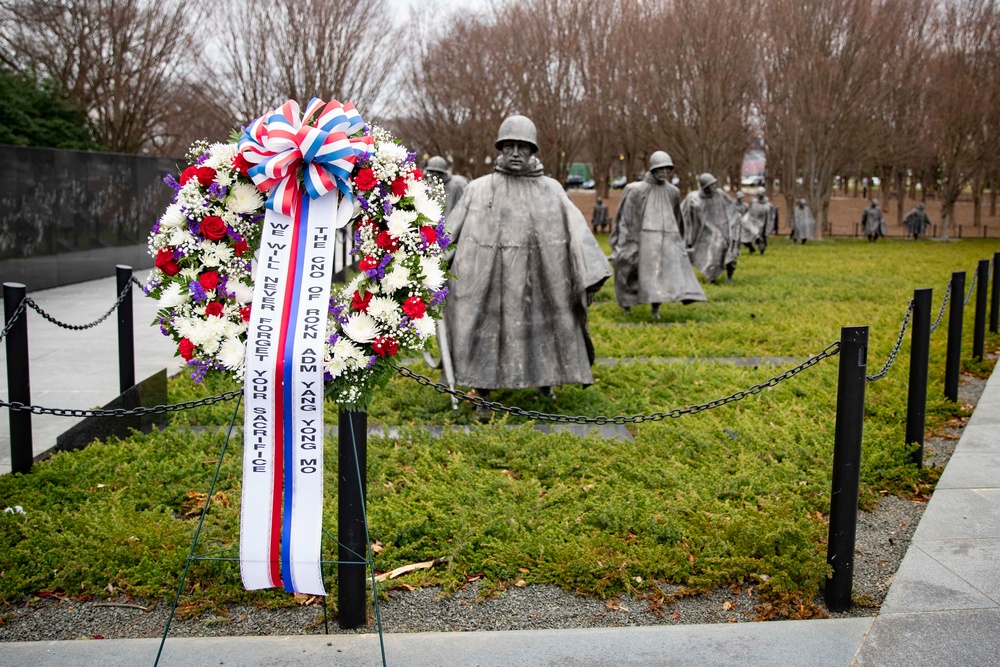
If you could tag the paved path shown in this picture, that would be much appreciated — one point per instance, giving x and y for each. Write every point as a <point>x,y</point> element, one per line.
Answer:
<point>943,607</point>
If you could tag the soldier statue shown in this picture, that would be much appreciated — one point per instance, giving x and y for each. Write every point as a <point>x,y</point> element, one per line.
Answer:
<point>873,222</point>
<point>600,222</point>
<point>526,266</point>
<point>647,243</point>
<point>803,223</point>
<point>760,219</point>
<point>917,222</point>
<point>711,229</point>
<point>454,185</point>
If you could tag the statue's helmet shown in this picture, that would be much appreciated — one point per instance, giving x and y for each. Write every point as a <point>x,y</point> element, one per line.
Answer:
<point>437,164</point>
<point>518,128</point>
<point>739,194</point>
<point>874,202</point>
<point>705,180</point>
<point>660,159</point>
<point>802,202</point>
<point>761,192</point>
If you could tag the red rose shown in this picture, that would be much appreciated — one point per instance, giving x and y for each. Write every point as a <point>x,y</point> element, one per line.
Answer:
<point>368,262</point>
<point>387,241</point>
<point>365,179</point>
<point>209,279</point>
<point>417,174</point>
<point>213,227</point>
<point>398,186</point>
<point>429,233</point>
<point>245,313</point>
<point>214,309</point>
<point>385,346</point>
<point>165,261</point>
<point>240,247</point>
<point>241,165</point>
<point>186,349</point>
<point>359,302</point>
<point>205,175</point>
<point>414,307</point>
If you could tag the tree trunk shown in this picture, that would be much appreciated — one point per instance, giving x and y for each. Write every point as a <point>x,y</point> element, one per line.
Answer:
<point>993,196</point>
<point>900,194</point>
<point>977,201</point>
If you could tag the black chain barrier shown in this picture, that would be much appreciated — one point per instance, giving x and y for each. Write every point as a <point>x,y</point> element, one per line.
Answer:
<point>82,327</point>
<point>21,307</point>
<point>944,304</point>
<point>895,349</point>
<point>972,286</point>
<point>17,406</point>
<point>829,351</point>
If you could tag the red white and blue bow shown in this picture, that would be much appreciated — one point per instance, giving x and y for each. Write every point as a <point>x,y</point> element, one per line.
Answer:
<point>284,143</point>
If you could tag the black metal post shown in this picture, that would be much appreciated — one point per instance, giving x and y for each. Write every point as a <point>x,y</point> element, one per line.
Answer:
<point>995,295</point>
<point>126,330</point>
<point>18,379</point>
<point>979,324</point>
<point>920,346</point>
<point>352,440</point>
<point>846,466</point>
<point>956,311</point>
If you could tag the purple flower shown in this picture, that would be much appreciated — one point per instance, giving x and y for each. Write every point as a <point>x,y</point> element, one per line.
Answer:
<point>332,340</point>
<point>363,202</point>
<point>197,291</point>
<point>371,362</point>
<point>199,369</point>
<point>327,376</point>
<point>201,160</point>
<point>438,297</point>
<point>444,241</point>
<point>411,158</point>
<point>171,181</point>
<point>218,191</point>
<point>387,207</point>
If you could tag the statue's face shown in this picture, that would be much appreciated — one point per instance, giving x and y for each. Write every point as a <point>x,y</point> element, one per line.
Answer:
<point>662,174</point>
<point>517,154</point>
<point>708,189</point>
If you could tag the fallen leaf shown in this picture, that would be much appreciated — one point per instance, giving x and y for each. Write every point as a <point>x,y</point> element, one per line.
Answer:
<point>727,605</point>
<point>523,570</point>
<point>403,569</point>
<point>520,583</point>
<point>377,547</point>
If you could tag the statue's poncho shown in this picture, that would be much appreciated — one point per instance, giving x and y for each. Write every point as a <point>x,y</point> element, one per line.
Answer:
<point>803,224</point>
<point>524,262</point>
<point>454,188</point>
<point>759,218</point>
<point>917,222</point>
<point>711,230</point>
<point>651,262</point>
<point>873,222</point>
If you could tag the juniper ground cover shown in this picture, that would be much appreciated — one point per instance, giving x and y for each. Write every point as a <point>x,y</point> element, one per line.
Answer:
<point>734,494</point>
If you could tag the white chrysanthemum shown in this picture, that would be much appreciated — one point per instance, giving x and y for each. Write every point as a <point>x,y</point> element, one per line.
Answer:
<point>344,355</point>
<point>232,353</point>
<point>215,254</point>
<point>221,156</point>
<point>430,269</point>
<point>426,205</point>
<point>244,198</point>
<point>173,217</point>
<point>361,327</point>
<point>400,221</point>
<point>173,295</point>
<point>385,309</point>
<point>425,327</point>
<point>396,278</point>
<point>243,292</point>
<point>179,236</point>
<point>390,152</point>
<point>208,333</point>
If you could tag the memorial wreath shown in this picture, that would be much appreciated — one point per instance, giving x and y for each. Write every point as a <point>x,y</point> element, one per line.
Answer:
<point>206,248</point>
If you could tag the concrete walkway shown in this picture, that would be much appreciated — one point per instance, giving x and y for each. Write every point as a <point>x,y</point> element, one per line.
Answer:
<point>943,607</point>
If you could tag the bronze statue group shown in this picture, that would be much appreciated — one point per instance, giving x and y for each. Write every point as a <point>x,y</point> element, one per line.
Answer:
<point>526,264</point>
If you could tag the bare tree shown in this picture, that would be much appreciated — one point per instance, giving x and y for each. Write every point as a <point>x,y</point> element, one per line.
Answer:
<point>117,59</point>
<point>301,49</point>
<point>962,114</point>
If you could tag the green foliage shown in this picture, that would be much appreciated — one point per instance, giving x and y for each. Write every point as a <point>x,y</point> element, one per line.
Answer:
<point>738,493</point>
<point>33,113</point>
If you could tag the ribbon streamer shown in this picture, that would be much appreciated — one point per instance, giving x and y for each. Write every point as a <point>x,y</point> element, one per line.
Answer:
<point>305,167</point>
